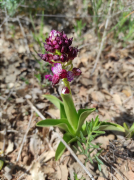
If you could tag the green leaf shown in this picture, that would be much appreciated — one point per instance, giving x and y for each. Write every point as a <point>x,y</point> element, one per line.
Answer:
<point>99,132</point>
<point>54,100</point>
<point>57,103</point>
<point>99,167</point>
<point>62,111</point>
<point>105,126</point>
<point>70,110</point>
<point>38,76</point>
<point>80,146</point>
<point>125,126</point>
<point>61,147</point>
<point>1,164</point>
<point>94,146</point>
<point>90,159</point>
<point>83,114</point>
<point>61,123</point>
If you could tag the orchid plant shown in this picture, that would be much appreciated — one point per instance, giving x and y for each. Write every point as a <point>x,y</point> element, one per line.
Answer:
<point>60,56</point>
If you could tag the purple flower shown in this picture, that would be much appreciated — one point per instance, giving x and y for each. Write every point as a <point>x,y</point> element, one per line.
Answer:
<point>61,51</point>
<point>57,68</point>
<point>49,77</point>
<point>59,41</point>
<point>70,76</point>
<point>49,48</point>
<point>55,79</point>
<point>76,71</point>
<point>56,58</point>
<point>46,57</point>
<point>63,74</point>
<point>72,52</point>
<point>65,90</point>
<point>64,58</point>
<point>53,34</point>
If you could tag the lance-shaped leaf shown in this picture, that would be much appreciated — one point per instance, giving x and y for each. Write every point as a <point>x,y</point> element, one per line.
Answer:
<point>61,123</point>
<point>58,103</point>
<point>62,112</point>
<point>106,126</point>
<point>129,132</point>
<point>61,147</point>
<point>83,114</point>
<point>70,110</point>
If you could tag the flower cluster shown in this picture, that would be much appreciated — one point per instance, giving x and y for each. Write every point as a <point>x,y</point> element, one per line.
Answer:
<point>60,56</point>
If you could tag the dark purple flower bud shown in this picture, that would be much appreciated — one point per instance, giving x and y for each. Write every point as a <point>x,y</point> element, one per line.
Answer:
<point>64,36</point>
<point>55,79</point>
<point>65,90</point>
<point>49,77</point>
<point>61,42</point>
<point>49,48</point>
<point>58,39</point>
<point>54,42</point>
<point>76,71</point>
<point>63,57</point>
<point>70,76</point>
<point>63,74</point>
<point>63,49</point>
<point>46,57</point>
<point>72,53</point>
<point>56,58</point>
<point>57,46</point>
<point>70,41</point>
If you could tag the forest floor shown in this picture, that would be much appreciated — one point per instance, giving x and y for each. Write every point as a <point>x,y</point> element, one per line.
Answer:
<point>29,151</point>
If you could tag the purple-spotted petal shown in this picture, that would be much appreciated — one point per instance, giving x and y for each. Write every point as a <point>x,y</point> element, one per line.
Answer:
<point>54,34</point>
<point>70,76</point>
<point>65,90</point>
<point>57,68</point>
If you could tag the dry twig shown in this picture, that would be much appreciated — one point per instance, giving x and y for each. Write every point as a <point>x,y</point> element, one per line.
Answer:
<point>30,120</point>
<point>23,32</point>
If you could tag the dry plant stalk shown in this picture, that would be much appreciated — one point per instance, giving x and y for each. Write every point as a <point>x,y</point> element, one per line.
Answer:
<point>103,39</point>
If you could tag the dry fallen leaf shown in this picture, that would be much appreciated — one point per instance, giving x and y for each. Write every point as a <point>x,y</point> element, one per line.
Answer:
<point>41,105</point>
<point>8,172</point>
<point>34,145</point>
<point>101,178</point>
<point>64,172</point>
<point>47,156</point>
<point>104,140</point>
<point>9,148</point>
<point>97,96</point>
<point>54,113</point>
<point>36,173</point>
<point>117,99</point>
